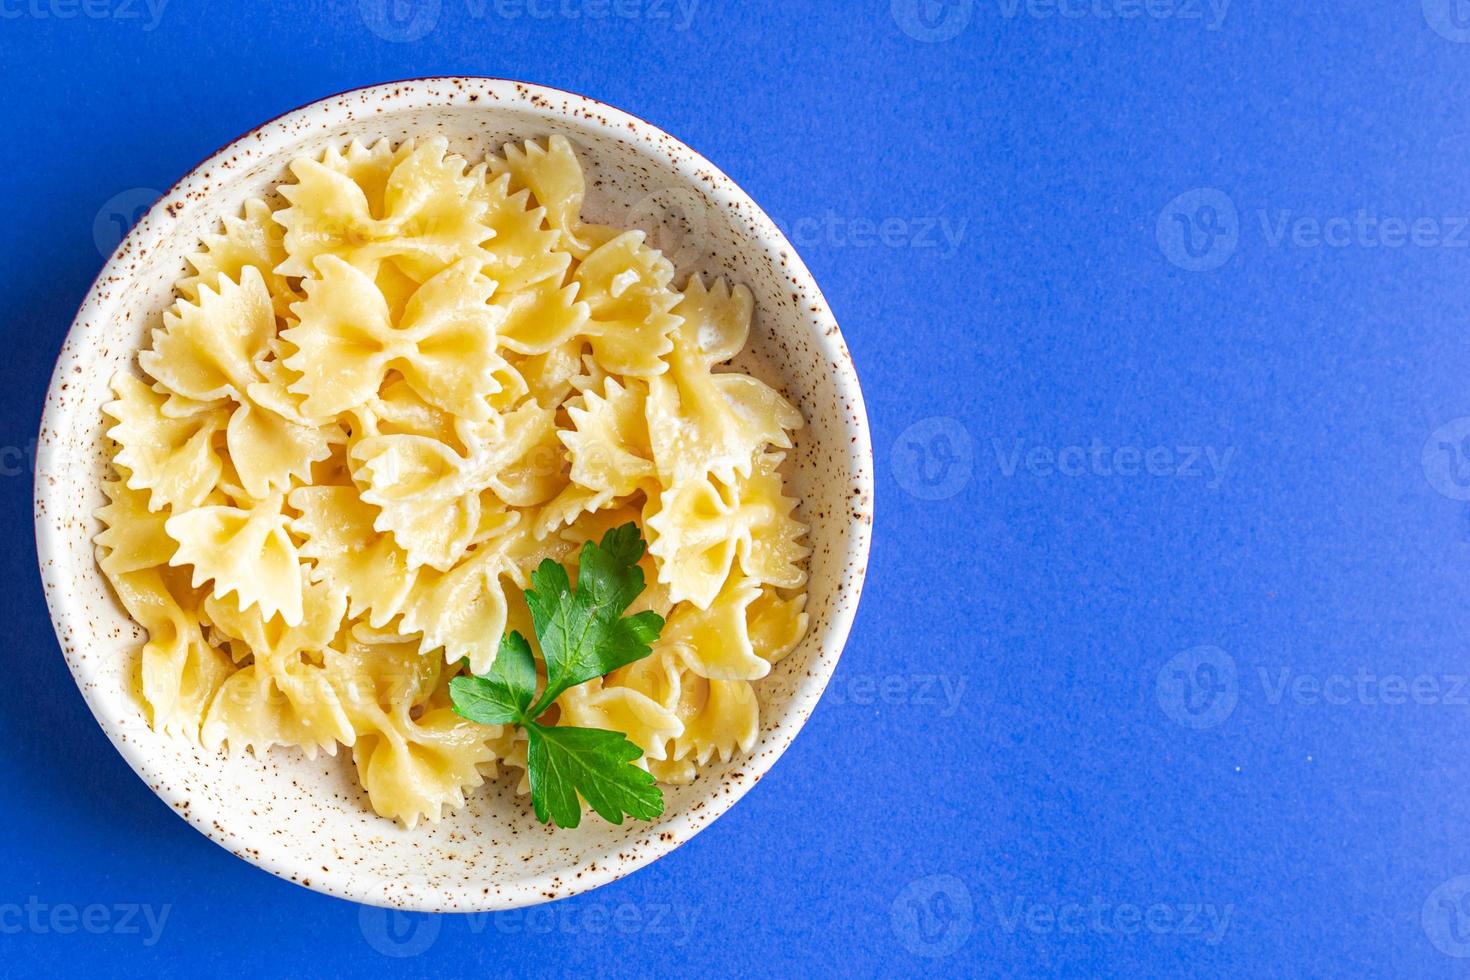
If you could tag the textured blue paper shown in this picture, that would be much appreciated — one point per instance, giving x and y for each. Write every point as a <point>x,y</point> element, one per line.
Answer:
<point>1161,313</point>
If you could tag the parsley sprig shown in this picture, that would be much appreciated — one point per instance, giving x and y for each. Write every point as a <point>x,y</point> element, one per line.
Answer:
<point>583,634</point>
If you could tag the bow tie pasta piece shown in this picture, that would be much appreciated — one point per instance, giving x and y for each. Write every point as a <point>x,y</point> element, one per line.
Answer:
<point>648,724</point>
<point>172,458</point>
<point>270,639</point>
<point>180,671</point>
<point>348,555</point>
<point>700,527</point>
<point>606,449</point>
<point>293,704</point>
<point>717,717</point>
<point>659,677</point>
<point>720,718</point>
<point>776,625</point>
<point>207,350</point>
<point>269,450</point>
<point>428,218</point>
<point>284,697</point>
<point>216,349</point>
<point>693,534</point>
<point>625,285</point>
<point>410,768</point>
<point>253,240</point>
<point>444,345</point>
<point>523,251</point>
<point>380,673</point>
<point>552,376</point>
<point>464,611</point>
<point>554,177</point>
<point>609,443</point>
<point>245,552</point>
<point>429,495</point>
<point>716,642</point>
<point>713,423</point>
<point>133,537</point>
<point>771,548</point>
<point>542,317</point>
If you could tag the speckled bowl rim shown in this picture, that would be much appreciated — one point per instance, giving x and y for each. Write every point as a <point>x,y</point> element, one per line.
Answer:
<point>213,820</point>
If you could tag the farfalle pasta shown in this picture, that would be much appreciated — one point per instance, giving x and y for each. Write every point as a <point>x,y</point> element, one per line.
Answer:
<point>380,402</point>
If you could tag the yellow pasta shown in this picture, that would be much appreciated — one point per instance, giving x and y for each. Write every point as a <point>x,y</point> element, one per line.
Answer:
<point>372,411</point>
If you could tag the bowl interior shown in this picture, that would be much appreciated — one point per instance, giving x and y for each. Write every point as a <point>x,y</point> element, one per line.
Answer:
<point>308,820</point>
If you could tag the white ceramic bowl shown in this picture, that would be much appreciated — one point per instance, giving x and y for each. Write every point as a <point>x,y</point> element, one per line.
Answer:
<point>308,821</point>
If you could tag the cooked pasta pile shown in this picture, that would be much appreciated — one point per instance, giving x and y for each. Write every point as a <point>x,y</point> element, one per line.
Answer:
<point>376,406</point>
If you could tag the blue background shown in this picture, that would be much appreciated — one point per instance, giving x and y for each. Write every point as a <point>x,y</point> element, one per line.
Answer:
<point>1024,718</point>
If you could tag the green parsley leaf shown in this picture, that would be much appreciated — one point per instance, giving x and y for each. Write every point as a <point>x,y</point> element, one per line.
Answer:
<point>583,634</point>
<point>502,696</point>
<point>594,763</point>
